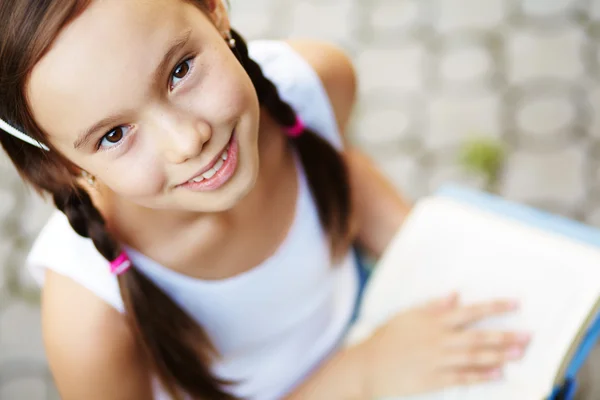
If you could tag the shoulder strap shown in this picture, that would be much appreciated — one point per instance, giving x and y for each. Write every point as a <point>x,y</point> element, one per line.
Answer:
<point>299,85</point>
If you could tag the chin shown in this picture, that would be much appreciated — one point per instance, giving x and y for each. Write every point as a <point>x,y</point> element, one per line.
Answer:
<point>238,192</point>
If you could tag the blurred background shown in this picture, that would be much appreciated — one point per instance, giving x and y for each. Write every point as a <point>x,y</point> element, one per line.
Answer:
<point>495,94</point>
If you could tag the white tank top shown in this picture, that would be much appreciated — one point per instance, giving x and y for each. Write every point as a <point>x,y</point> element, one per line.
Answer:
<point>273,324</point>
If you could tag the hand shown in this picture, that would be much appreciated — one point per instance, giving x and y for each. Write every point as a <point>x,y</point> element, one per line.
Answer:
<point>429,348</point>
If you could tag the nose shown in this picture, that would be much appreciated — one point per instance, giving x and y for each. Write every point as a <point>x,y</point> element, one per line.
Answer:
<point>181,138</point>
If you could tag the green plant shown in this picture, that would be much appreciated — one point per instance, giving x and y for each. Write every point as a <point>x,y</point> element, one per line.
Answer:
<point>485,157</point>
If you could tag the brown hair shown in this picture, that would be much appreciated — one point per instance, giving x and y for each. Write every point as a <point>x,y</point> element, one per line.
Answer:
<point>178,350</point>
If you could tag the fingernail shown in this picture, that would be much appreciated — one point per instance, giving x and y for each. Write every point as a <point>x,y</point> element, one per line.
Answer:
<point>514,353</point>
<point>495,374</point>
<point>524,337</point>
<point>448,300</point>
<point>513,304</point>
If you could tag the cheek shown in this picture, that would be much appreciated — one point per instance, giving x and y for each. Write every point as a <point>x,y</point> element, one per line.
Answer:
<point>134,180</point>
<point>240,92</point>
<point>224,95</point>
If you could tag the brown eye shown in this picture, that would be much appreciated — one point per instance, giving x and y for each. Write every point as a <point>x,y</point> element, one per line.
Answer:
<point>180,72</point>
<point>114,137</point>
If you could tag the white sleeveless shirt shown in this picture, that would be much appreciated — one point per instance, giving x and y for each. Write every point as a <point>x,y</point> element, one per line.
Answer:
<point>272,324</point>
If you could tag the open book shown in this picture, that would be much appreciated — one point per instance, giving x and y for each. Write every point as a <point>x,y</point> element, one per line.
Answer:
<point>485,247</point>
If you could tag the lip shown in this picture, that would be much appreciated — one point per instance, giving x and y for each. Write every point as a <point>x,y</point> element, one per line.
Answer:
<point>210,164</point>
<point>222,176</point>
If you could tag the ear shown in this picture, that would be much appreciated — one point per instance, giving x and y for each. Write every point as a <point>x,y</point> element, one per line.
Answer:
<point>218,14</point>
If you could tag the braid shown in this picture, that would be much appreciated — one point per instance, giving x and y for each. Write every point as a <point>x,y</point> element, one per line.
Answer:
<point>85,219</point>
<point>324,166</point>
<point>178,349</point>
<point>267,92</point>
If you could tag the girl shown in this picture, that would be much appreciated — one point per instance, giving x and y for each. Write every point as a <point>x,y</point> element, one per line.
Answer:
<point>209,211</point>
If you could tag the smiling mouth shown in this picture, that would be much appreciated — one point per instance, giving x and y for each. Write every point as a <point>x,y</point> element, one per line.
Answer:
<point>220,171</point>
<point>212,171</point>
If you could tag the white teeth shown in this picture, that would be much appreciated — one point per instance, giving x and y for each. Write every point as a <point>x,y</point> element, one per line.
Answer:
<point>209,174</point>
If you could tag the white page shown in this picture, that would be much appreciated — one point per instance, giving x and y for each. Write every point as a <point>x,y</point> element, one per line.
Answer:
<point>445,246</point>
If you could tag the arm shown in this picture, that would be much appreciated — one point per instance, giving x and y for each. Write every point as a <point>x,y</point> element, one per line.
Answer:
<point>91,351</point>
<point>380,209</point>
<point>340,378</point>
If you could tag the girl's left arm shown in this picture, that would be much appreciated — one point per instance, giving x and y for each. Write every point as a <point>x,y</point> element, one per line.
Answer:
<point>380,209</point>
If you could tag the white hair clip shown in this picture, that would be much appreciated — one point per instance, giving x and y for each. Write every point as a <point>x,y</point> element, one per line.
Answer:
<point>20,135</point>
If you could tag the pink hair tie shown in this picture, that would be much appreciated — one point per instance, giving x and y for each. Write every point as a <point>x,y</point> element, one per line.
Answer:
<point>296,130</point>
<point>120,265</point>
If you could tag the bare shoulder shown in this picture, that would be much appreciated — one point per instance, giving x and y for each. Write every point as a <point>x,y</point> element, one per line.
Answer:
<point>337,73</point>
<point>91,351</point>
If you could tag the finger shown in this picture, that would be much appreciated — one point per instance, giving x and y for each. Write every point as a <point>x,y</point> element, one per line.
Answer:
<point>481,358</point>
<point>467,315</point>
<point>480,339</point>
<point>470,377</point>
<point>442,304</point>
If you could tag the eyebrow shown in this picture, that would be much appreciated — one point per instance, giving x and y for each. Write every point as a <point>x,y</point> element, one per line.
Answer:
<point>175,47</point>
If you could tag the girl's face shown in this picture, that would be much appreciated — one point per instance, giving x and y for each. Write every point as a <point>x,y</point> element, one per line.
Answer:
<point>148,97</point>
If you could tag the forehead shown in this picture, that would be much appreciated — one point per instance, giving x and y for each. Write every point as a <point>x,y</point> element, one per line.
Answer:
<point>95,61</point>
